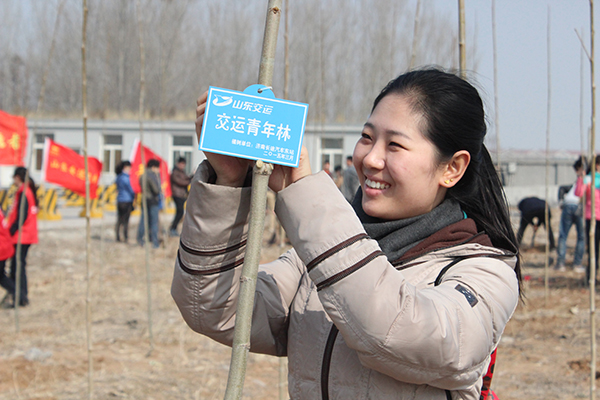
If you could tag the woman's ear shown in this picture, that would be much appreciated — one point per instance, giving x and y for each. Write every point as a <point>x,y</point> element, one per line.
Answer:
<point>455,168</point>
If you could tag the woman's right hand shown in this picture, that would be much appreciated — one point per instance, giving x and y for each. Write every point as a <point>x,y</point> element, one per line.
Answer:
<point>231,171</point>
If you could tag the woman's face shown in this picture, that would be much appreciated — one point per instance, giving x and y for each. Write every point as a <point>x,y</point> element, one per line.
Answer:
<point>17,181</point>
<point>396,165</point>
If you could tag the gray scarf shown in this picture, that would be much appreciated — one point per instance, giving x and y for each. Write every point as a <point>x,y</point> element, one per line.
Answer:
<point>397,237</point>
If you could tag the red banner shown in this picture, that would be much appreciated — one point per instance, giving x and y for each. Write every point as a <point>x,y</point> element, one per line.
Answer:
<point>13,139</point>
<point>137,169</point>
<point>66,168</point>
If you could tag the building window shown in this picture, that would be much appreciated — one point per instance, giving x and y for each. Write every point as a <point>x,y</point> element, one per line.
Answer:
<point>38,148</point>
<point>113,150</point>
<point>183,146</point>
<point>332,151</point>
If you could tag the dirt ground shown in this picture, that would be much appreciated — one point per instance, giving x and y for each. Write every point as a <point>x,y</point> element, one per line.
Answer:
<point>544,353</point>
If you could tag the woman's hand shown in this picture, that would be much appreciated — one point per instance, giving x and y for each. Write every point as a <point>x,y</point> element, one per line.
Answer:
<point>231,171</point>
<point>282,176</point>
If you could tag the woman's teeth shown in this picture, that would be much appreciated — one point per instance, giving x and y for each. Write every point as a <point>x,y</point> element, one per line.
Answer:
<point>376,185</point>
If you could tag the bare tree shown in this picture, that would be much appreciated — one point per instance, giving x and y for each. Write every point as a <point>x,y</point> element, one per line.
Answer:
<point>193,44</point>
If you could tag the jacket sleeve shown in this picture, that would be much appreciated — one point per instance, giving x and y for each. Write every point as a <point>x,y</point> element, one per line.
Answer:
<point>15,225</point>
<point>580,188</point>
<point>208,267</point>
<point>179,178</point>
<point>421,335</point>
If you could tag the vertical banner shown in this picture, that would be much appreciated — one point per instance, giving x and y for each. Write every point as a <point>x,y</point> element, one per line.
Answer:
<point>137,169</point>
<point>13,139</point>
<point>64,167</point>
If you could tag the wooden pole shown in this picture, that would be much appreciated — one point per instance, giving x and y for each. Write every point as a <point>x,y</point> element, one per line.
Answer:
<point>258,202</point>
<point>283,393</point>
<point>413,55</point>
<point>145,175</point>
<point>592,235</point>
<point>50,53</point>
<point>496,104</point>
<point>88,240</point>
<point>461,39</point>
<point>582,128</point>
<point>547,206</point>
<point>40,103</point>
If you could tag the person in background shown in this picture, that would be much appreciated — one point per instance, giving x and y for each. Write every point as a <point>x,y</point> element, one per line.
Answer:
<point>179,189</point>
<point>338,177</point>
<point>583,186</point>
<point>327,169</point>
<point>6,252</point>
<point>26,193</point>
<point>572,214</point>
<point>533,212</point>
<point>403,294</point>
<point>152,198</point>
<point>351,182</point>
<point>125,198</point>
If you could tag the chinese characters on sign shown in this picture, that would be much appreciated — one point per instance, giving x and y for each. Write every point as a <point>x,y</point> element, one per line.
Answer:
<point>253,125</point>
<point>66,168</point>
<point>13,139</point>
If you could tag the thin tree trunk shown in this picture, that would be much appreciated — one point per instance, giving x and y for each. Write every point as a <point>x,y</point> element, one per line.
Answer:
<point>50,53</point>
<point>413,55</point>
<point>88,247</point>
<point>261,173</point>
<point>393,41</point>
<point>496,104</point>
<point>283,393</point>
<point>145,175</point>
<point>582,129</point>
<point>592,234</point>
<point>547,206</point>
<point>40,104</point>
<point>462,57</point>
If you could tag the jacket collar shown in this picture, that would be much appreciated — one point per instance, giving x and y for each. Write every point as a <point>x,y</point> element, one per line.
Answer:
<point>458,233</point>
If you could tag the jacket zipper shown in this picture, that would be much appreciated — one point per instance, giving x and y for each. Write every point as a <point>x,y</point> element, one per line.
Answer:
<point>327,362</point>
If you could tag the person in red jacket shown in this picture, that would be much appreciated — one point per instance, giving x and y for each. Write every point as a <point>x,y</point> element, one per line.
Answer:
<point>29,233</point>
<point>6,251</point>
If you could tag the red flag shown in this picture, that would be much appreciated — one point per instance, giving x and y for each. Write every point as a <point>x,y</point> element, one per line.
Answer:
<point>66,168</point>
<point>137,169</point>
<point>13,139</point>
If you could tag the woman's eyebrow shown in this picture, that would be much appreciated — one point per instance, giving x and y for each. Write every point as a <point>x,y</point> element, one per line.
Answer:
<point>388,131</point>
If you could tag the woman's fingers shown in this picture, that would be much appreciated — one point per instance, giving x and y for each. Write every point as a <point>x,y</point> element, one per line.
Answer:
<point>202,98</point>
<point>200,109</point>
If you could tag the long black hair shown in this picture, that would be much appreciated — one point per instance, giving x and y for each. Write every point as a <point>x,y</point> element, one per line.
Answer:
<point>454,120</point>
<point>120,166</point>
<point>21,172</point>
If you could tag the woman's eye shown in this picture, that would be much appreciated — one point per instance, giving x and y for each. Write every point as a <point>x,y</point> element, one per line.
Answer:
<point>394,144</point>
<point>365,136</point>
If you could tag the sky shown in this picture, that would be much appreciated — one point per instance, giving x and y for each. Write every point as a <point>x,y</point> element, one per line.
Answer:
<point>522,68</point>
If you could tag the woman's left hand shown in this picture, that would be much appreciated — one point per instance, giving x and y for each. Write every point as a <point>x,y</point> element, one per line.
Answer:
<point>282,176</point>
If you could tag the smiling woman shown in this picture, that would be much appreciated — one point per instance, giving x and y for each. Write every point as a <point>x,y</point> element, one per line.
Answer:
<point>404,293</point>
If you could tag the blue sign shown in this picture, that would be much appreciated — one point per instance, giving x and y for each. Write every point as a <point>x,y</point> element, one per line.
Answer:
<point>253,124</point>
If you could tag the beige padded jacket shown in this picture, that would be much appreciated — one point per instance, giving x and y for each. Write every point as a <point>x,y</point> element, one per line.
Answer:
<point>400,337</point>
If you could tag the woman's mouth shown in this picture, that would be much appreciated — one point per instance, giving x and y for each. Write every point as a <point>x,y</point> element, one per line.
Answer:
<point>376,185</point>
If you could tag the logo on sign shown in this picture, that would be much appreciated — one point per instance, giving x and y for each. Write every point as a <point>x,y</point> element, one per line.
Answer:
<point>222,101</point>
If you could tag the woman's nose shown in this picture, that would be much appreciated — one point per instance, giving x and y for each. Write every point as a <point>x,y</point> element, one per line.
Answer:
<point>374,159</point>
